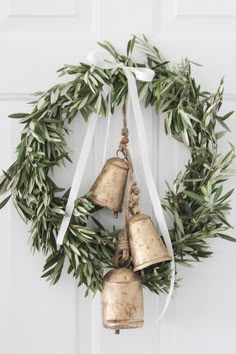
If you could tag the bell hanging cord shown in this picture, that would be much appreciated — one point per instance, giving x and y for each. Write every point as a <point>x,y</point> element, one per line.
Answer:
<point>122,256</point>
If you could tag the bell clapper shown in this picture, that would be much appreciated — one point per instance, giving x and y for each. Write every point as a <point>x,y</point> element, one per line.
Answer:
<point>117,331</point>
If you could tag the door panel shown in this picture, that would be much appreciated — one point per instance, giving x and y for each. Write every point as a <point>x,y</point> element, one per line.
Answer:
<point>37,38</point>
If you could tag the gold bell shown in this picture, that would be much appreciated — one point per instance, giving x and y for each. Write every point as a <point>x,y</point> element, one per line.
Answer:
<point>109,188</point>
<point>146,245</point>
<point>122,300</point>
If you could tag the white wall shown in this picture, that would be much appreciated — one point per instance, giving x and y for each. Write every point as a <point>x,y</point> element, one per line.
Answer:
<point>36,38</point>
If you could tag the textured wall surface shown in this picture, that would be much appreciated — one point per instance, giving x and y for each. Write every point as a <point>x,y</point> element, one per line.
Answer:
<point>36,38</point>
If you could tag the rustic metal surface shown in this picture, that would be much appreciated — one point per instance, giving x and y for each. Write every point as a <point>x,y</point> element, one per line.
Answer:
<point>122,300</point>
<point>147,247</point>
<point>109,188</point>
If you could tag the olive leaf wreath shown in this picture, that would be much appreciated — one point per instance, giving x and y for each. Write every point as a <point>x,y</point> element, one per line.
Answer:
<point>195,202</point>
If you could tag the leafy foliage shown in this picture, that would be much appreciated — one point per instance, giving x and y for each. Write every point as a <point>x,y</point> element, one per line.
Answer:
<point>196,203</point>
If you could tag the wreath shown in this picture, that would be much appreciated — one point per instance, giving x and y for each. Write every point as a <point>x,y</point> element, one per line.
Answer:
<point>195,201</point>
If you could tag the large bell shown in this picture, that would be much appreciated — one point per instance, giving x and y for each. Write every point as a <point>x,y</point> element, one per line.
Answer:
<point>122,300</point>
<point>109,188</point>
<point>146,245</point>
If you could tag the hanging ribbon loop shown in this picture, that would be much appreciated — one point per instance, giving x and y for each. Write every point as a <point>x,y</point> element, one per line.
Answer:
<point>106,61</point>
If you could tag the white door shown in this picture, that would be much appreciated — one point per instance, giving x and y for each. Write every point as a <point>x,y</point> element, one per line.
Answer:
<point>36,38</point>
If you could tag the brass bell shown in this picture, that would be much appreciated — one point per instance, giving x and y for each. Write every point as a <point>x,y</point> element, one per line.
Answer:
<point>109,188</point>
<point>146,245</point>
<point>122,300</point>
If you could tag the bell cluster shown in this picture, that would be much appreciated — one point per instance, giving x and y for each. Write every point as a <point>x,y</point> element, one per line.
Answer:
<point>139,245</point>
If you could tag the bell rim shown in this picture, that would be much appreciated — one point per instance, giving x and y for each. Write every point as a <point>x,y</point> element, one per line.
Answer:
<point>125,324</point>
<point>104,204</point>
<point>151,262</point>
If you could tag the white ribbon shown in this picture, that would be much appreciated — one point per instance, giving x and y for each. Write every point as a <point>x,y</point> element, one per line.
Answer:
<point>156,203</point>
<point>108,127</point>
<point>143,74</point>
<point>79,172</point>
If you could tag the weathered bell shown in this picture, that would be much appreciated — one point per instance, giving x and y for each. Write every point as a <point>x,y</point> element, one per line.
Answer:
<point>146,245</point>
<point>122,300</point>
<point>109,188</point>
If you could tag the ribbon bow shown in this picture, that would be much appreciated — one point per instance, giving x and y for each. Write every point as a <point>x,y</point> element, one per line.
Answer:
<point>106,61</point>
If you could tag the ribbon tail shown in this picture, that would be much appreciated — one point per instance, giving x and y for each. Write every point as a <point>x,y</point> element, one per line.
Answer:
<point>77,179</point>
<point>150,180</point>
<point>108,128</point>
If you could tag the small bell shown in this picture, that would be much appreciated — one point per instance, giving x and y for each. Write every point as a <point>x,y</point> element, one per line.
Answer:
<point>109,188</point>
<point>122,300</point>
<point>146,245</point>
